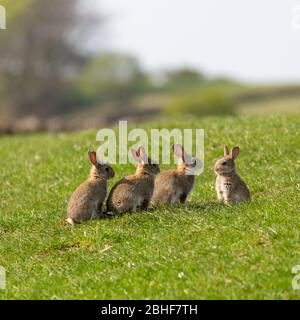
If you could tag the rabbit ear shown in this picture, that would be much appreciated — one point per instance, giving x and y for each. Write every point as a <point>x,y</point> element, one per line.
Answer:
<point>226,151</point>
<point>134,154</point>
<point>179,151</point>
<point>93,157</point>
<point>234,153</point>
<point>142,155</point>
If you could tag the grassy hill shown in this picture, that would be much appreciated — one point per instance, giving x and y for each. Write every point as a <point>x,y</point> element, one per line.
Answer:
<point>201,250</point>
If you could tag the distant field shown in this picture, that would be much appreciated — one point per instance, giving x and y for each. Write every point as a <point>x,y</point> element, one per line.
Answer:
<point>212,98</point>
<point>201,250</point>
<point>227,98</point>
<point>290,105</point>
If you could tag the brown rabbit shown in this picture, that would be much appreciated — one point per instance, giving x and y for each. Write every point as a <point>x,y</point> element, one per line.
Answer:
<point>230,187</point>
<point>174,185</point>
<point>87,200</point>
<point>134,192</point>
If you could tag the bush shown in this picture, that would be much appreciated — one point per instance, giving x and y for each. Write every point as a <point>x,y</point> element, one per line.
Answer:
<point>203,102</point>
<point>112,76</point>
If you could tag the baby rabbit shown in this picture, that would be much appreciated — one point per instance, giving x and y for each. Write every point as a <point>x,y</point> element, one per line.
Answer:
<point>134,192</point>
<point>87,200</point>
<point>230,187</point>
<point>174,185</point>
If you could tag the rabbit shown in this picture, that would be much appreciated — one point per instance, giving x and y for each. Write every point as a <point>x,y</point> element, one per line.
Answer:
<point>229,186</point>
<point>174,185</point>
<point>134,192</point>
<point>87,200</point>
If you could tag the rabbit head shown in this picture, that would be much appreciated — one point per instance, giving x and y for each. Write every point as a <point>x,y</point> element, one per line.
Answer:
<point>99,169</point>
<point>187,162</point>
<point>144,163</point>
<point>226,164</point>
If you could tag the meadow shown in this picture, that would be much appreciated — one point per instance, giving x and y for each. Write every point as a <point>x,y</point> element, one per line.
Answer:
<point>200,250</point>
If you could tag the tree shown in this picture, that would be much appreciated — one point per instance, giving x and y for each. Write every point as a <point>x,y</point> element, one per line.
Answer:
<point>113,76</point>
<point>184,77</point>
<point>41,52</point>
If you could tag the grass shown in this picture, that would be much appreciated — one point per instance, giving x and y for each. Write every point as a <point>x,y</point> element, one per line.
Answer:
<point>201,250</point>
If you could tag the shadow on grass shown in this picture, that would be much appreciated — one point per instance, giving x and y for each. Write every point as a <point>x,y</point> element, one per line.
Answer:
<point>212,206</point>
<point>189,206</point>
<point>209,205</point>
<point>160,210</point>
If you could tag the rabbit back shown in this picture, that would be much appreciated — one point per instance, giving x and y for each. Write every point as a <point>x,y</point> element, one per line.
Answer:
<point>172,187</point>
<point>87,200</point>
<point>130,194</point>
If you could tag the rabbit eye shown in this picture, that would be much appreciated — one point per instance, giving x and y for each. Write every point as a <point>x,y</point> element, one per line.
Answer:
<point>106,169</point>
<point>224,163</point>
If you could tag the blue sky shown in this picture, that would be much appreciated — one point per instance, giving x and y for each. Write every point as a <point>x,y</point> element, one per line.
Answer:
<point>251,40</point>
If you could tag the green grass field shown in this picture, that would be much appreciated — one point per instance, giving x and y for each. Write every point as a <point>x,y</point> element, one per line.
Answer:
<point>201,250</point>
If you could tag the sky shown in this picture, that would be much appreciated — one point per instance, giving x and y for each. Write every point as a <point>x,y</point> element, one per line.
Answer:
<point>249,40</point>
